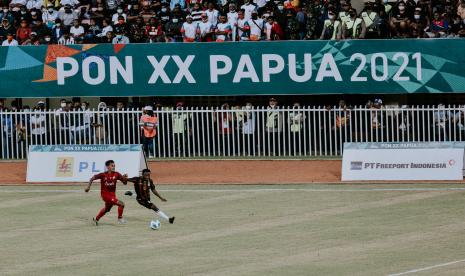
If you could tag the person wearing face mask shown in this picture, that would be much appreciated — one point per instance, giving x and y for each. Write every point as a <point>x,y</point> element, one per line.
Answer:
<point>292,26</point>
<point>37,124</point>
<point>32,40</point>
<point>189,30</point>
<point>16,5</point>
<point>120,38</point>
<point>23,32</point>
<point>295,123</point>
<point>331,28</point>
<point>248,8</point>
<point>57,30</point>
<point>173,30</point>
<point>418,24</point>
<point>67,16</point>
<point>400,21</point>
<point>232,19</point>
<point>180,129</point>
<point>47,39</point>
<point>344,13</point>
<point>257,26</point>
<point>273,127</point>
<point>354,28</point>
<point>63,120</point>
<point>249,146</point>
<point>205,29</point>
<point>6,13</point>
<point>119,13</point>
<point>371,19</point>
<point>49,16</point>
<point>23,14</point>
<point>72,3</point>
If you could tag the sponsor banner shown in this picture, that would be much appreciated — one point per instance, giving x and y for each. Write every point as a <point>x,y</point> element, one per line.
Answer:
<point>403,161</point>
<point>78,163</point>
<point>221,69</point>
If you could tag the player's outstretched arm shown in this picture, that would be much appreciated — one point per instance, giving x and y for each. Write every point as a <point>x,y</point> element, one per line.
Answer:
<point>133,179</point>
<point>90,184</point>
<point>123,178</point>
<point>155,192</point>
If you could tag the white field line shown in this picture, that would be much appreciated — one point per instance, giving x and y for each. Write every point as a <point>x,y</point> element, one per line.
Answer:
<point>427,268</point>
<point>248,190</point>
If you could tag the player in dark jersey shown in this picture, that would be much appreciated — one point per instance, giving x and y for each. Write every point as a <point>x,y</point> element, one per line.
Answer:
<point>108,181</point>
<point>143,185</point>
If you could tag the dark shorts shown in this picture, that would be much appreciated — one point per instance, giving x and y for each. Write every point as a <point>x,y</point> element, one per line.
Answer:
<point>146,203</point>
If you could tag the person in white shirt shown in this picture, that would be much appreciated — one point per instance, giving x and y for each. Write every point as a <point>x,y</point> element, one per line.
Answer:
<point>106,28</point>
<point>248,8</point>
<point>189,30</point>
<point>31,4</point>
<point>120,38</point>
<point>119,12</point>
<point>260,4</point>
<point>232,20</point>
<point>212,14</point>
<point>37,123</point>
<point>66,39</point>
<point>256,27</point>
<point>223,30</point>
<point>49,16</point>
<point>77,31</point>
<point>243,28</point>
<point>16,4</point>
<point>72,3</point>
<point>205,29</point>
<point>10,41</point>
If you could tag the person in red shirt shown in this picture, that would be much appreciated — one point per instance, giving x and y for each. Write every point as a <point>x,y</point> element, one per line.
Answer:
<point>108,181</point>
<point>23,33</point>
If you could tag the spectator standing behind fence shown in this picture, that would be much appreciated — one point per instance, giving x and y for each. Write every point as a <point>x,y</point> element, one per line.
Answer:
<point>37,124</point>
<point>223,118</point>
<point>248,129</point>
<point>100,124</point>
<point>296,121</point>
<point>180,129</point>
<point>441,123</point>
<point>148,123</point>
<point>63,121</point>
<point>274,128</point>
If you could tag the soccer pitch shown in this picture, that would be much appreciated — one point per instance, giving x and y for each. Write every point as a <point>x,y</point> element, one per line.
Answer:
<point>384,229</point>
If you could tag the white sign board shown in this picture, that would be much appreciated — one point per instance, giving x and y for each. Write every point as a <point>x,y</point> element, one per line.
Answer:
<point>78,163</point>
<point>403,161</point>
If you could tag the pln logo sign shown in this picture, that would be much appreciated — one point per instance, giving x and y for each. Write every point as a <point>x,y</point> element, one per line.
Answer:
<point>64,167</point>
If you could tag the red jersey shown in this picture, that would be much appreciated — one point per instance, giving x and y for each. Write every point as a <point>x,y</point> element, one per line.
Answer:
<point>108,181</point>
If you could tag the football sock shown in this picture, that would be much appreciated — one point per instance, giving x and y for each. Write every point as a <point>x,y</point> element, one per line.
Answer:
<point>101,213</point>
<point>120,211</point>
<point>162,215</point>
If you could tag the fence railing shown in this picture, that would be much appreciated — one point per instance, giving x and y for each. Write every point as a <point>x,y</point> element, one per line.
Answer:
<point>211,132</point>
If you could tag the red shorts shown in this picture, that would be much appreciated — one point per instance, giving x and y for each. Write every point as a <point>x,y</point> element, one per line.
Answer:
<point>109,198</point>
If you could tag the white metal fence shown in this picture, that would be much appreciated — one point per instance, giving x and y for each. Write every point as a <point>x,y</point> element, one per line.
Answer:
<point>212,132</point>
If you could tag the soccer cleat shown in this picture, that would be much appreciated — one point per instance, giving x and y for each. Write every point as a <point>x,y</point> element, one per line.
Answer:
<point>95,221</point>
<point>122,221</point>
<point>171,220</point>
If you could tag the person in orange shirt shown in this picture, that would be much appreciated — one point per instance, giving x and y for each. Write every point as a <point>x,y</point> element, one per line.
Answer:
<point>148,124</point>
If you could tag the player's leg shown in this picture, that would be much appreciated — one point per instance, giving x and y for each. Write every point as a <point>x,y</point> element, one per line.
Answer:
<point>120,205</point>
<point>160,212</point>
<point>103,211</point>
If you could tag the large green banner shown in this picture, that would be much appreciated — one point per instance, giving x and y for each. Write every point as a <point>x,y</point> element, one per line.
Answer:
<point>246,68</point>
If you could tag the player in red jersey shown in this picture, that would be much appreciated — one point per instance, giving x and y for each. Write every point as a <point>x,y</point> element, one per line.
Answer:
<point>108,181</point>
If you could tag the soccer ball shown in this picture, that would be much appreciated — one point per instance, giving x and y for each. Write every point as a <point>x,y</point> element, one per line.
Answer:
<point>155,224</point>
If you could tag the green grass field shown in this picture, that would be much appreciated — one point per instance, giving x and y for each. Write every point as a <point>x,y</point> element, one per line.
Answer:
<point>238,230</point>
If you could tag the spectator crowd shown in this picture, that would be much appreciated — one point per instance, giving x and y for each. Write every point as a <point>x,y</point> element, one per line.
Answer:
<point>35,22</point>
<point>239,129</point>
